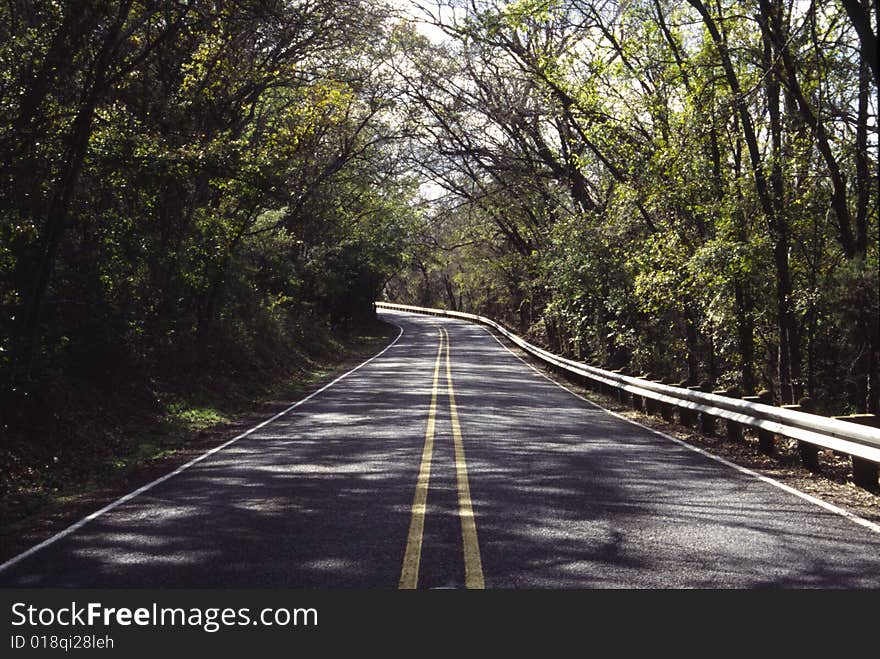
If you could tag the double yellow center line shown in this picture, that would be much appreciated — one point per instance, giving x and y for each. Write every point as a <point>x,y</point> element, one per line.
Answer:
<point>473,567</point>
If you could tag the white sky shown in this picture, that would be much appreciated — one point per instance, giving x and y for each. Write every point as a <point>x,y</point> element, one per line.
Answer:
<point>415,10</point>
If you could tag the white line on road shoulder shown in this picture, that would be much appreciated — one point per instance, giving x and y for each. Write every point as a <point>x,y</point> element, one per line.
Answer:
<point>144,488</point>
<point>745,470</point>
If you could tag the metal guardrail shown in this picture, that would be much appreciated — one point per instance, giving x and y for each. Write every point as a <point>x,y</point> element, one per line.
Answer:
<point>859,441</point>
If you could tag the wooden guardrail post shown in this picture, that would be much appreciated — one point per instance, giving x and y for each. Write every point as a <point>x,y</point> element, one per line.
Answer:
<point>589,382</point>
<point>809,452</point>
<point>635,402</point>
<point>667,410</point>
<point>577,378</point>
<point>686,416</point>
<point>651,405</point>
<point>734,429</point>
<point>622,395</point>
<point>599,386</point>
<point>865,472</point>
<point>707,421</point>
<point>608,389</point>
<point>765,437</point>
<point>638,402</point>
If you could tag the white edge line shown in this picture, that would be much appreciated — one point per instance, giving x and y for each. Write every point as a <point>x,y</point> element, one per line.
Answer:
<point>144,488</point>
<point>745,470</point>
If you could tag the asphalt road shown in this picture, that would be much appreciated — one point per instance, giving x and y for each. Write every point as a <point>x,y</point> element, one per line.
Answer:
<point>381,481</point>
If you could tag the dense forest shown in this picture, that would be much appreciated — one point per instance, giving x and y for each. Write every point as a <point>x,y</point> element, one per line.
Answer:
<point>189,184</point>
<point>676,186</point>
<point>681,187</point>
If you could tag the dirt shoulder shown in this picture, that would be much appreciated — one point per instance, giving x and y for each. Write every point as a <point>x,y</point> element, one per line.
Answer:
<point>41,497</point>
<point>832,484</point>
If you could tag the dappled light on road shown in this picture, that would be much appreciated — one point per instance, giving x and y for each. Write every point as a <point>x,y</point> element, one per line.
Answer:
<point>564,495</point>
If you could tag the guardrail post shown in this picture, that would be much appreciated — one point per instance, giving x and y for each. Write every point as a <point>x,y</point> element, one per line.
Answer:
<point>667,410</point>
<point>635,401</point>
<point>651,405</point>
<point>622,395</point>
<point>638,402</point>
<point>685,415</point>
<point>734,429</point>
<point>865,472</point>
<point>607,389</point>
<point>707,421</point>
<point>765,437</point>
<point>589,382</point>
<point>809,452</point>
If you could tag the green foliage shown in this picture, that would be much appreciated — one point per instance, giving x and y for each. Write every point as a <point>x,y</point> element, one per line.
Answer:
<point>609,202</point>
<point>188,183</point>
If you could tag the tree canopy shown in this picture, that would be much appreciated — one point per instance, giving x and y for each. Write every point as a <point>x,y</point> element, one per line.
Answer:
<point>680,187</point>
<point>677,186</point>
<point>187,181</point>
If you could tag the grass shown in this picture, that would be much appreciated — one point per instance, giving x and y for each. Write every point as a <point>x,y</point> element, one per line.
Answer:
<point>111,444</point>
<point>195,416</point>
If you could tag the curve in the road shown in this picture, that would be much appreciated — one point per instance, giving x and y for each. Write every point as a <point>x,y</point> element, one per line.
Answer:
<point>552,491</point>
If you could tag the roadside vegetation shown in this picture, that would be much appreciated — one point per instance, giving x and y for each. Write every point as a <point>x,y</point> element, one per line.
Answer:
<point>199,202</point>
<point>120,435</point>
<point>678,187</point>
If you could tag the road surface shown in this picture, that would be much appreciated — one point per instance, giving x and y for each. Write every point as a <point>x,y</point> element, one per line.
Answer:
<point>447,462</point>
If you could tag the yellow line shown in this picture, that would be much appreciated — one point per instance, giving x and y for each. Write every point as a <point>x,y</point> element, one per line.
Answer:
<point>473,566</point>
<point>409,574</point>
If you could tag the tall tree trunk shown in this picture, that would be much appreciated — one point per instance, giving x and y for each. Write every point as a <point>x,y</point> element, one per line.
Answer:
<point>425,297</point>
<point>692,341</point>
<point>744,302</point>
<point>789,364</point>
<point>789,353</point>
<point>863,177</point>
<point>860,17</point>
<point>450,292</point>
<point>745,336</point>
<point>775,32</point>
<point>869,360</point>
